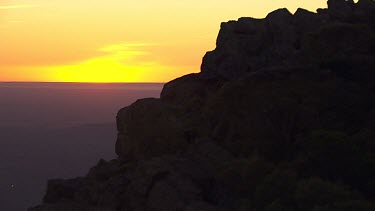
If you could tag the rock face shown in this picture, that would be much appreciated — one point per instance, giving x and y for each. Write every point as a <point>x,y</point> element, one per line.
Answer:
<point>281,117</point>
<point>283,39</point>
<point>145,132</point>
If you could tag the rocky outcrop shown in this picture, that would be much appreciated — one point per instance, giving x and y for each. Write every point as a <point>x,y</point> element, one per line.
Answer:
<point>190,91</point>
<point>280,39</point>
<point>281,117</point>
<point>148,128</point>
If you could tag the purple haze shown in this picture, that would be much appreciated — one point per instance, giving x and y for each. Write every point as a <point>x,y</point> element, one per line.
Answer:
<point>56,130</point>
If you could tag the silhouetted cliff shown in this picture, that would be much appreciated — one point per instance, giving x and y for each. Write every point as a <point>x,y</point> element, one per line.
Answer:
<point>281,117</point>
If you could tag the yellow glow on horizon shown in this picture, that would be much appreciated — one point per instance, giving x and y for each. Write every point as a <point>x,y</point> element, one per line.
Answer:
<point>121,63</point>
<point>7,7</point>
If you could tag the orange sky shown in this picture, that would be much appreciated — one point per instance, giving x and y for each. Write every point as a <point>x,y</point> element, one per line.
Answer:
<point>116,40</point>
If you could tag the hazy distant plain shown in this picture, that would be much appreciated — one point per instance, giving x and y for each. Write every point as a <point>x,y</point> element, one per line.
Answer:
<point>56,130</point>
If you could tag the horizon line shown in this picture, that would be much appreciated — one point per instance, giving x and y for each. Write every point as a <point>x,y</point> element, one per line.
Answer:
<point>83,82</point>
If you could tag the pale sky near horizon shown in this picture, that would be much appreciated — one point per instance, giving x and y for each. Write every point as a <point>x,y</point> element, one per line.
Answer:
<point>117,40</point>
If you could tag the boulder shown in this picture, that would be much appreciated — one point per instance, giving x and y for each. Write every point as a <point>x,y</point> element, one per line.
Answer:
<point>166,183</point>
<point>280,106</point>
<point>69,206</point>
<point>340,9</point>
<point>149,127</point>
<point>189,91</point>
<point>338,40</point>
<point>79,189</point>
<point>238,46</point>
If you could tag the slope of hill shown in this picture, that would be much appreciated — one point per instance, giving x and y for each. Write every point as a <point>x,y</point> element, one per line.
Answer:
<point>281,117</point>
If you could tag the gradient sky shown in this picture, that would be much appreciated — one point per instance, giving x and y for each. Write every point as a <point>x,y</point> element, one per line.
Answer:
<point>117,40</point>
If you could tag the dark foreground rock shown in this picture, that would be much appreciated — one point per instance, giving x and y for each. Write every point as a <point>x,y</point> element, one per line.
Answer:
<point>281,117</point>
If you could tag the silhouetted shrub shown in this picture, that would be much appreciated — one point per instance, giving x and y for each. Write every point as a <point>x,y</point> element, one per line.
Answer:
<point>315,192</point>
<point>351,205</point>
<point>276,190</point>
<point>330,154</point>
<point>243,175</point>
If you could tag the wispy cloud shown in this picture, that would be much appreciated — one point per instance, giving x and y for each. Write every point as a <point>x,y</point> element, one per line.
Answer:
<point>16,21</point>
<point>208,35</point>
<point>16,6</point>
<point>121,62</point>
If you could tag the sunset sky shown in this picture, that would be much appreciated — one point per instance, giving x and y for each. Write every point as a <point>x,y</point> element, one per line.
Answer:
<point>117,40</point>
